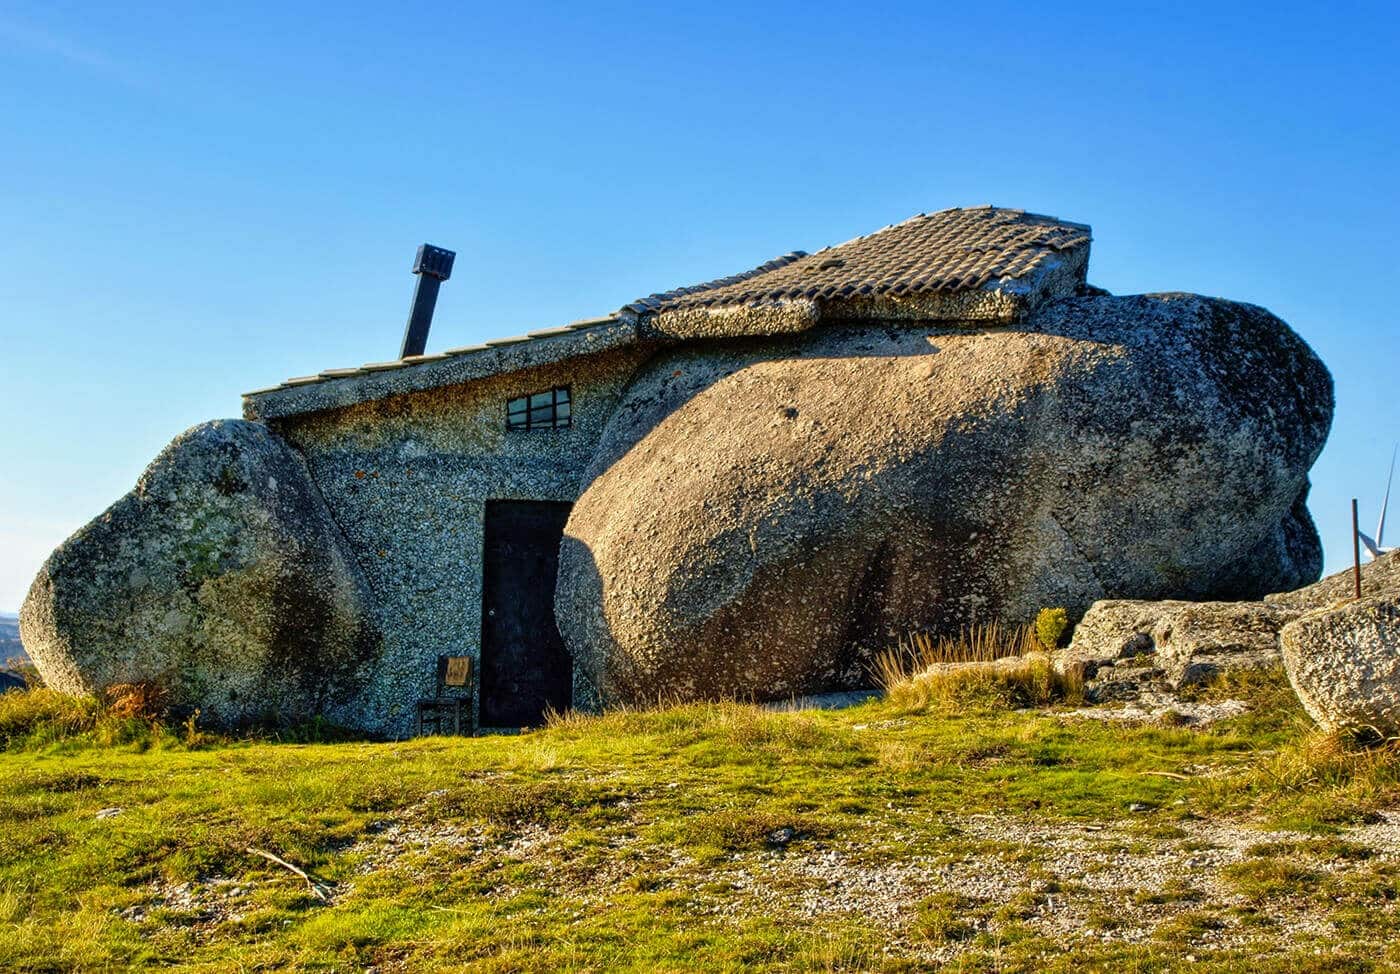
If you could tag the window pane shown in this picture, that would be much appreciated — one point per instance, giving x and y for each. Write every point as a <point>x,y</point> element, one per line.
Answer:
<point>540,410</point>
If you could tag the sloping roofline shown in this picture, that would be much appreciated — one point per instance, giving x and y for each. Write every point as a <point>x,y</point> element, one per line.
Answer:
<point>982,264</point>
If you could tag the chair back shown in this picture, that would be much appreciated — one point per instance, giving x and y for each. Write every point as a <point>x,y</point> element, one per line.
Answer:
<point>453,673</point>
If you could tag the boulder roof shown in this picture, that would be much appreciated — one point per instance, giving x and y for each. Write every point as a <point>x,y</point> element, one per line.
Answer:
<point>984,264</point>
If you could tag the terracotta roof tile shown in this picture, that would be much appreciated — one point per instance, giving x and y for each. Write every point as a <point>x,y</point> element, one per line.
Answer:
<point>947,251</point>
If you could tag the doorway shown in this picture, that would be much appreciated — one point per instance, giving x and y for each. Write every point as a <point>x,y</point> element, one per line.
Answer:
<point>525,669</point>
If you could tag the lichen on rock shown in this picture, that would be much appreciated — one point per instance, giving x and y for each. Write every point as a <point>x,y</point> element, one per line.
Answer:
<point>1344,664</point>
<point>221,577</point>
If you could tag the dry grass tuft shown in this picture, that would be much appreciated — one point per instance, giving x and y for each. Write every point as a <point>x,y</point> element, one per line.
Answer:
<point>976,644</point>
<point>988,666</point>
<point>137,701</point>
<point>22,667</point>
<point>1318,780</point>
<point>1326,759</point>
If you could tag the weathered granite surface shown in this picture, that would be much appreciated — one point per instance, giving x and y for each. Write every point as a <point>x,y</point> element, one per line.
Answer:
<point>761,516</point>
<point>1131,649</point>
<point>1378,577</point>
<point>221,576</point>
<point>1344,664</point>
<point>756,516</point>
<point>1123,647</point>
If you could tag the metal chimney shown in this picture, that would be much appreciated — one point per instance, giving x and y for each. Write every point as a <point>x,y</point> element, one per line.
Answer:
<point>433,265</point>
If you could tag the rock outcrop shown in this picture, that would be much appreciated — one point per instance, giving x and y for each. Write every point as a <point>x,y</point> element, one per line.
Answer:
<point>1125,647</point>
<point>221,577</point>
<point>1344,664</point>
<point>1380,577</point>
<point>1130,649</point>
<point>762,516</point>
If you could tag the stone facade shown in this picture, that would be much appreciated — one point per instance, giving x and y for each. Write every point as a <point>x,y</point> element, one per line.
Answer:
<point>407,478</point>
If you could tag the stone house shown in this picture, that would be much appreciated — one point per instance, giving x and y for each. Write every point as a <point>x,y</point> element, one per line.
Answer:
<point>452,474</point>
<point>746,488</point>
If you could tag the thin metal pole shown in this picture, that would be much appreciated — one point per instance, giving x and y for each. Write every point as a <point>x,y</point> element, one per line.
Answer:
<point>1355,548</point>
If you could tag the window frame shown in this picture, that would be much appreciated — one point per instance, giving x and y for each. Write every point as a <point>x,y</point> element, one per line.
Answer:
<point>520,411</point>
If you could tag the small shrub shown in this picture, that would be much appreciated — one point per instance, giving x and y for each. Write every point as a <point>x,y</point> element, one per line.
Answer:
<point>1050,626</point>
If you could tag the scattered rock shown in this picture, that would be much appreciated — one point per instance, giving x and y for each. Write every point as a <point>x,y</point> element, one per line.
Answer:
<point>108,812</point>
<point>1152,708</point>
<point>221,578</point>
<point>763,515</point>
<point>781,836</point>
<point>1344,664</point>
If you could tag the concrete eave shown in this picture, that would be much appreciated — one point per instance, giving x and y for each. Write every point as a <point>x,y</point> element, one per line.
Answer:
<point>337,388</point>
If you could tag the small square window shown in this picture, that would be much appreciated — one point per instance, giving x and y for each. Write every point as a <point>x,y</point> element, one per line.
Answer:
<point>552,409</point>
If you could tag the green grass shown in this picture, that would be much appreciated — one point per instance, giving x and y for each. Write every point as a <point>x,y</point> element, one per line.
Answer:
<point>683,838</point>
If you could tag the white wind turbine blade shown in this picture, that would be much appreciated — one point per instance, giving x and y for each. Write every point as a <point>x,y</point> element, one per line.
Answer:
<point>1371,546</point>
<point>1380,528</point>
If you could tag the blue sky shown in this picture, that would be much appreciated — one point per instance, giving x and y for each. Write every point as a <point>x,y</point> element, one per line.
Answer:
<point>199,200</point>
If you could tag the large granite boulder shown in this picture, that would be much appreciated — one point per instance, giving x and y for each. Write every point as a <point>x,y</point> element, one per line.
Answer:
<point>764,515</point>
<point>1344,664</point>
<point>221,577</point>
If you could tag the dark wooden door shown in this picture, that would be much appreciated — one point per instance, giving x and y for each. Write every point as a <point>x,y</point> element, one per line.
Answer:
<point>524,666</point>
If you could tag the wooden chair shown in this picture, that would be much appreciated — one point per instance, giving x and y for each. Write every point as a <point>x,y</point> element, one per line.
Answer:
<point>446,707</point>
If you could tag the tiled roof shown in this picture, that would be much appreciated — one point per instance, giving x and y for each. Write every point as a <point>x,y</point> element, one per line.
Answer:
<point>975,254</point>
<point>948,251</point>
<point>669,299</point>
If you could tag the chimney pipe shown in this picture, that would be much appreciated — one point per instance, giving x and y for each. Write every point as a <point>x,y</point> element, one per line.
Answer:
<point>433,265</point>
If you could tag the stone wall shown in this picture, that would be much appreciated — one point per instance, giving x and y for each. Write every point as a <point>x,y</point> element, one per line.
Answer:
<point>407,479</point>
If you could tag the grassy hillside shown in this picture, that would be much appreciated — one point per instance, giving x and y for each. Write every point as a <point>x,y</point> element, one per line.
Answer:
<point>716,837</point>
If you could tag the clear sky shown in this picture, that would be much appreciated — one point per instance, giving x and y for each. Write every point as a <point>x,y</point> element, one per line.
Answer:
<point>201,199</point>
